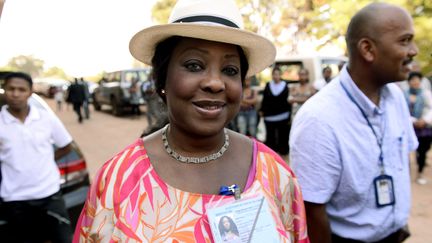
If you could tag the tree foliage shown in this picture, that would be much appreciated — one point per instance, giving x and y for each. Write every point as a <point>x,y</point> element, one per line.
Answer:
<point>55,72</point>
<point>27,64</point>
<point>34,67</point>
<point>279,20</point>
<point>290,23</point>
<point>331,19</point>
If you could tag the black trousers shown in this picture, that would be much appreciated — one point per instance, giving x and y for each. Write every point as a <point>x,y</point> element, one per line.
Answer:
<point>424,145</point>
<point>277,136</point>
<point>136,109</point>
<point>396,237</point>
<point>38,220</point>
<point>77,109</point>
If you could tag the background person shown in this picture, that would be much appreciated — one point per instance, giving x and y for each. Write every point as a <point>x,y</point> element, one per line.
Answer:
<point>353,137</point>
<point>425,83</point>
<point>59,97</point>
<point>301,93</point>
<point>30,185</point>
<point>420,106</point>
<point>175,172</point>
<point>76,96</point>
<point>86,102</point>
<point>276,112</point>
<point>157,116</point>
<point>247,116</point>
<point>135,96</point>
<point>327,77</point>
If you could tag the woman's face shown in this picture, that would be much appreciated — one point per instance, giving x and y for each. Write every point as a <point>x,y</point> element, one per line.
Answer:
<point>226,224</point>
<point>276,75</point>
<point>203,86</point>
<point>415,83</point>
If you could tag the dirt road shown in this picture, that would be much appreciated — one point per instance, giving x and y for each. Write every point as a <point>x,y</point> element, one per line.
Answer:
<point>104,135</point>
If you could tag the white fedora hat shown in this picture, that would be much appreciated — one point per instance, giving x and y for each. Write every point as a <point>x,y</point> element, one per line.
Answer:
<point>214,20</point>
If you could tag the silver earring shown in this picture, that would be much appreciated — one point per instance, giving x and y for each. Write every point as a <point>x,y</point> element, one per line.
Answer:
<point>163,91</point>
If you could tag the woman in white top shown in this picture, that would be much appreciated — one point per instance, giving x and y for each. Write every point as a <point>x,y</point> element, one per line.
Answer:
<point>420,105</point>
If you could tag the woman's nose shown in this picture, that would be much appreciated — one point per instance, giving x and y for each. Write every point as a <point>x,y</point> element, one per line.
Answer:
<point>213,83</point>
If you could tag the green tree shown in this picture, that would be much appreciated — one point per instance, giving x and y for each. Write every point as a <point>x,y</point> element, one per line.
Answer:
<point>161,11</point>
<point>275,19</point>
<point>28,64</point>
<point>55,72</point>
<point>288,23</point>
<point>331,19</point>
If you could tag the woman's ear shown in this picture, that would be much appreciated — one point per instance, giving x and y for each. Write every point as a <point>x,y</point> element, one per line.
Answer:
<point>367,49</point>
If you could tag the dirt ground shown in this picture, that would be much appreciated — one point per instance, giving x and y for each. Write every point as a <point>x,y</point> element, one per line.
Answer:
<point>103,135</point>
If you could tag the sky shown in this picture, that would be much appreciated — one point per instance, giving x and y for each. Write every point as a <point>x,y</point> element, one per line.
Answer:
<point>83,37</point>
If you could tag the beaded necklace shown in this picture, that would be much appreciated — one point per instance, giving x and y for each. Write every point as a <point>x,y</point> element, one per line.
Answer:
<point>194,160</point>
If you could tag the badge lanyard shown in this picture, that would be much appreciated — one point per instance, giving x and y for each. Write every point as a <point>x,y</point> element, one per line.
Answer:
<point>383,184</point>
<point>379,141</point>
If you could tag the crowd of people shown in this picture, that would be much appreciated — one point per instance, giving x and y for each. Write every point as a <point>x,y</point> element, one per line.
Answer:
<point>346,138</point>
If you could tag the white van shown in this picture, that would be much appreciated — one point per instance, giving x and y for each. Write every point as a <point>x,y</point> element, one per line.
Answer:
<point>290,65</point>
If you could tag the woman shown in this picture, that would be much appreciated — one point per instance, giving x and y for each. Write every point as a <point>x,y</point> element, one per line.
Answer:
<point>228,230</point>
<point>299,94</point>
<point>158,189</point>
<point>276,112</point>
<point>420,105</point>
<point>247,117</point>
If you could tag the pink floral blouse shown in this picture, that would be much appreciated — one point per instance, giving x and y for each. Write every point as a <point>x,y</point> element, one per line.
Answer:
<point>129,202</point>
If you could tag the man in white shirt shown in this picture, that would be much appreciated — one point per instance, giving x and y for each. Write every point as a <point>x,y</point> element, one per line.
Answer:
<point>30,186</point>
<point>327,76</point>
<point>350,142</point>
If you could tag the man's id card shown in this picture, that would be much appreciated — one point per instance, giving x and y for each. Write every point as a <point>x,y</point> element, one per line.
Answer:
<point>384,190</point>
<point>246,220</point>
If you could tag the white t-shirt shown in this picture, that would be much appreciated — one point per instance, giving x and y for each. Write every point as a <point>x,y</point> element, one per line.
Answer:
<point>59,96</point>
<point>28,168</point>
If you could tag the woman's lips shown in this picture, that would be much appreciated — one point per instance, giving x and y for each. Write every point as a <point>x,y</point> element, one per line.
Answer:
<point>209,108</point>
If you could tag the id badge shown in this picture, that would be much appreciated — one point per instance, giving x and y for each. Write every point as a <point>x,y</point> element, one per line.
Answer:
<point>243,221</point>
<point>384,191</point>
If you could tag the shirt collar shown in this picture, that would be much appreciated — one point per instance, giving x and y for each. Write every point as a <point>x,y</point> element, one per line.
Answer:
<point>362,100</point>
<point>9,118</point>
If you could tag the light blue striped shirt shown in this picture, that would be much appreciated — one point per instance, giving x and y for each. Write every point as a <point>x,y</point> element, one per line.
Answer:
<point>335,156</point>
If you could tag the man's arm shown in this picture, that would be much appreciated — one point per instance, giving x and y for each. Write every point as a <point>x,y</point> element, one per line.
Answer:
<point>60,152</point>
<point>317,223</point>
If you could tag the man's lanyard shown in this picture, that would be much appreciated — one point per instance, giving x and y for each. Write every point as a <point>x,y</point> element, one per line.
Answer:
<point>379,140</point>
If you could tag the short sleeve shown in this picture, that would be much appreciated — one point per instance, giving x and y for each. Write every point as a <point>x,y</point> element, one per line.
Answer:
<point>315,159</point>
<point>59,134</point>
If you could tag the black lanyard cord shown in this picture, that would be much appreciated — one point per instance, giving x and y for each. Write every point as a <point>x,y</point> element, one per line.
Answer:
<point>379,141</point>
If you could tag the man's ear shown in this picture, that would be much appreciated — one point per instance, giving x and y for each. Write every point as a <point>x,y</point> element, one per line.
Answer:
<point>367,49</point>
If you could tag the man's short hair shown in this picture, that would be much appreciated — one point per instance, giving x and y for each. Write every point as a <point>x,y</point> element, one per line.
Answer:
<point>326,68</point>
<point>21,75</point>
<point>415,74</point>
<point>364,24</point>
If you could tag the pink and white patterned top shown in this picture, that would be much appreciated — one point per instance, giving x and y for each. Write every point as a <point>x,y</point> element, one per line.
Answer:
<point>129,202</point>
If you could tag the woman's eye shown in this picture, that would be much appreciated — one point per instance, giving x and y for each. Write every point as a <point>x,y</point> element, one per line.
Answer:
<point>193,67</point>
<point>231,71</point>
